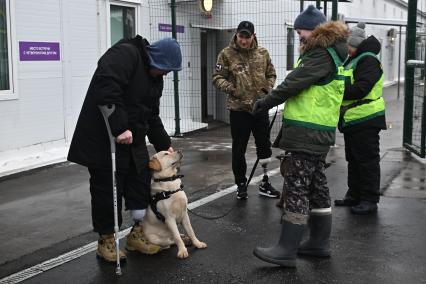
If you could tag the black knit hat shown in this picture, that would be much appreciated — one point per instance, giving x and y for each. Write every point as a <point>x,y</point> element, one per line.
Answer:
<point>309,19</point>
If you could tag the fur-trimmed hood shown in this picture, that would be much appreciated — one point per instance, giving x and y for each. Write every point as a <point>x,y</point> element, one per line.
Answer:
<point>326,35</point>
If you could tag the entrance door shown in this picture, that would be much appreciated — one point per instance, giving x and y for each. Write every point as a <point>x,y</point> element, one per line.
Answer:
<point>123,22</point>
<point>205,117</point>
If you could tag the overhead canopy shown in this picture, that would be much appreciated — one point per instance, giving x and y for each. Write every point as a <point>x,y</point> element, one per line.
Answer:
<point>377,21</point>
<point>210,27</point>
<point>345,1</point>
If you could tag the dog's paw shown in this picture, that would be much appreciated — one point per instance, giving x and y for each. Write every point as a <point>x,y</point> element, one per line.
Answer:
<point>200,245</point>
<point>182,253</point>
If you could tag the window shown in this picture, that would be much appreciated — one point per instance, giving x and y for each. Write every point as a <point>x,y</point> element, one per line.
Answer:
<point>123,22</point>
<point>290,48</point>
<point>5,57</point>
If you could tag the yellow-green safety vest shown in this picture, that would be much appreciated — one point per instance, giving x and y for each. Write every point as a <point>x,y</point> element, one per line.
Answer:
<point>318,107</point>
<point>372,105</point>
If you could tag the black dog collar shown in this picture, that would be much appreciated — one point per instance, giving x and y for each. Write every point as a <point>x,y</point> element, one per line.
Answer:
<point>172,178</point>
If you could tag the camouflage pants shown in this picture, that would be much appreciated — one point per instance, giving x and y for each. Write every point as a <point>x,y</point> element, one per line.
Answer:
<point>305,184</point>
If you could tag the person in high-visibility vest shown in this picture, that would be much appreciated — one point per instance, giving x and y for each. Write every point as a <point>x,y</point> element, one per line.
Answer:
<point>313,93</point>
<point>362,118</point>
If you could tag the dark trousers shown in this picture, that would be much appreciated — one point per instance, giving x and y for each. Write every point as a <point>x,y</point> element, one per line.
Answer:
<point>242,124</point>
<point>134,187</point>
<point>362,149</point>
<point>305,184</point>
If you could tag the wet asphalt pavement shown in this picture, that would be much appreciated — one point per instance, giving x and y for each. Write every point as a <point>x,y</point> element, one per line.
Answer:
<point>46,213</point>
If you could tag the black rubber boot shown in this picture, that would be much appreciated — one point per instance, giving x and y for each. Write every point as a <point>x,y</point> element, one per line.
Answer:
<point>364,208</point>
<point>348,200</point>
<point>318,243</point>
<point>285,252</point>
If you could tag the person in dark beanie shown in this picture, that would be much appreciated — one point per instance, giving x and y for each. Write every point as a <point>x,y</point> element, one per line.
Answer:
<point>313,93</point>
<point>362,119</point>
<point>309,19</point>
<point>130,76</point>
<point>244,72</point>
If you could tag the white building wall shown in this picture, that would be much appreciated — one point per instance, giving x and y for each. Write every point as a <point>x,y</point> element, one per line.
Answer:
<point>80,50</point>
<point>36,116</point>
<point>381,9</point>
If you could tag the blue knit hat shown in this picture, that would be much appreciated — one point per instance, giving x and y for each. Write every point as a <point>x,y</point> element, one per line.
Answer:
<point>165,55</point>
<point>309,19</point>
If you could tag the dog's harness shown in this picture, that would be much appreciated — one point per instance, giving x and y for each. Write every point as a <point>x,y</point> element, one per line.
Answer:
<point>163,195</point>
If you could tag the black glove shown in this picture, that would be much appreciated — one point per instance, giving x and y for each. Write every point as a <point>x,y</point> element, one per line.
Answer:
<point>259,107</point>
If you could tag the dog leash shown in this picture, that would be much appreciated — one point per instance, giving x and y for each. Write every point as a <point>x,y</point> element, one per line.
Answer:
<point>248,182</point>
<point>212,217</point>
<point>166,194</point>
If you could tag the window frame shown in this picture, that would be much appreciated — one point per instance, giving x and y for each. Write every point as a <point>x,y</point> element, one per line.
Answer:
<point>291,58</point>
<point>11,93</point>
<point>127,3</point>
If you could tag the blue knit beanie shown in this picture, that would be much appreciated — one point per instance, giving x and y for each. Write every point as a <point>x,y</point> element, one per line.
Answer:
<point>165,55</point>
<point>309,19</point>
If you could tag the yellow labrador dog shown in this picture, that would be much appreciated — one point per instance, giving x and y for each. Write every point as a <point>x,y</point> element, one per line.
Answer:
<point>168,205</point>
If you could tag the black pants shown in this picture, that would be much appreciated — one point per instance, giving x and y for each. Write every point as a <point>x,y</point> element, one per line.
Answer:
<point>134,187</point>
<point>362,149</point>
<point>242,124</point>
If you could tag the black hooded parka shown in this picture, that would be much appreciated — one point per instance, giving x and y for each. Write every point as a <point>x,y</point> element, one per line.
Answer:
<point>122,78</point>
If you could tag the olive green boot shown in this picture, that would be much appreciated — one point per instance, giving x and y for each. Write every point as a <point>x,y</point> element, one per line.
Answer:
<point>318,243</point>
<point>285,252</point>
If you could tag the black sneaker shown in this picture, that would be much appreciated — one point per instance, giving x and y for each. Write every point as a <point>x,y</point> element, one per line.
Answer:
<point>266,189</point>
<point>242,192</point>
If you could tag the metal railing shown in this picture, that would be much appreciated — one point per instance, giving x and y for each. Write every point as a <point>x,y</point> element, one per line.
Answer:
<point>415,123</point>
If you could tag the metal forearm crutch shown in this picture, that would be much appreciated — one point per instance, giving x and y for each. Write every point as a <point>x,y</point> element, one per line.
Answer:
<point>257,160</point>
<point>106,111</point>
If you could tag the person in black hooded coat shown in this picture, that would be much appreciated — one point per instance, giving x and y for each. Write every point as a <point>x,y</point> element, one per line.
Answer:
<point>362,146</point>
<point>130,76</point>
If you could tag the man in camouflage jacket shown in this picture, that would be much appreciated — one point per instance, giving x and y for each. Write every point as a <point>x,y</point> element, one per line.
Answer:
<point>244,72</point>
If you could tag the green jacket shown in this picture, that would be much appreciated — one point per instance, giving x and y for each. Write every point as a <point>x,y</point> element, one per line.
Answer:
<point>244,75</point>
<point>316,66</point>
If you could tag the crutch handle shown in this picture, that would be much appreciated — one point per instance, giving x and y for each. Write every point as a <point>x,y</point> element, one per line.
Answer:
<point>106,111</point>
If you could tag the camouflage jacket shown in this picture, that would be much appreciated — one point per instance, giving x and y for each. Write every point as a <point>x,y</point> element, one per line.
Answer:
<point>245,75</point>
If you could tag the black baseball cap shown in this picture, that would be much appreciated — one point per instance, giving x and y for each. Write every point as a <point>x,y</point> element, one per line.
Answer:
<point>246,27</point>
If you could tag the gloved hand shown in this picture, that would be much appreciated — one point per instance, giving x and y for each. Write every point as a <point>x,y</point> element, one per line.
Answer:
<point>259,107</point>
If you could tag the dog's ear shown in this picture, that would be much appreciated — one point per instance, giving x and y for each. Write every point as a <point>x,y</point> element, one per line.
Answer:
<point>154,164</point>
